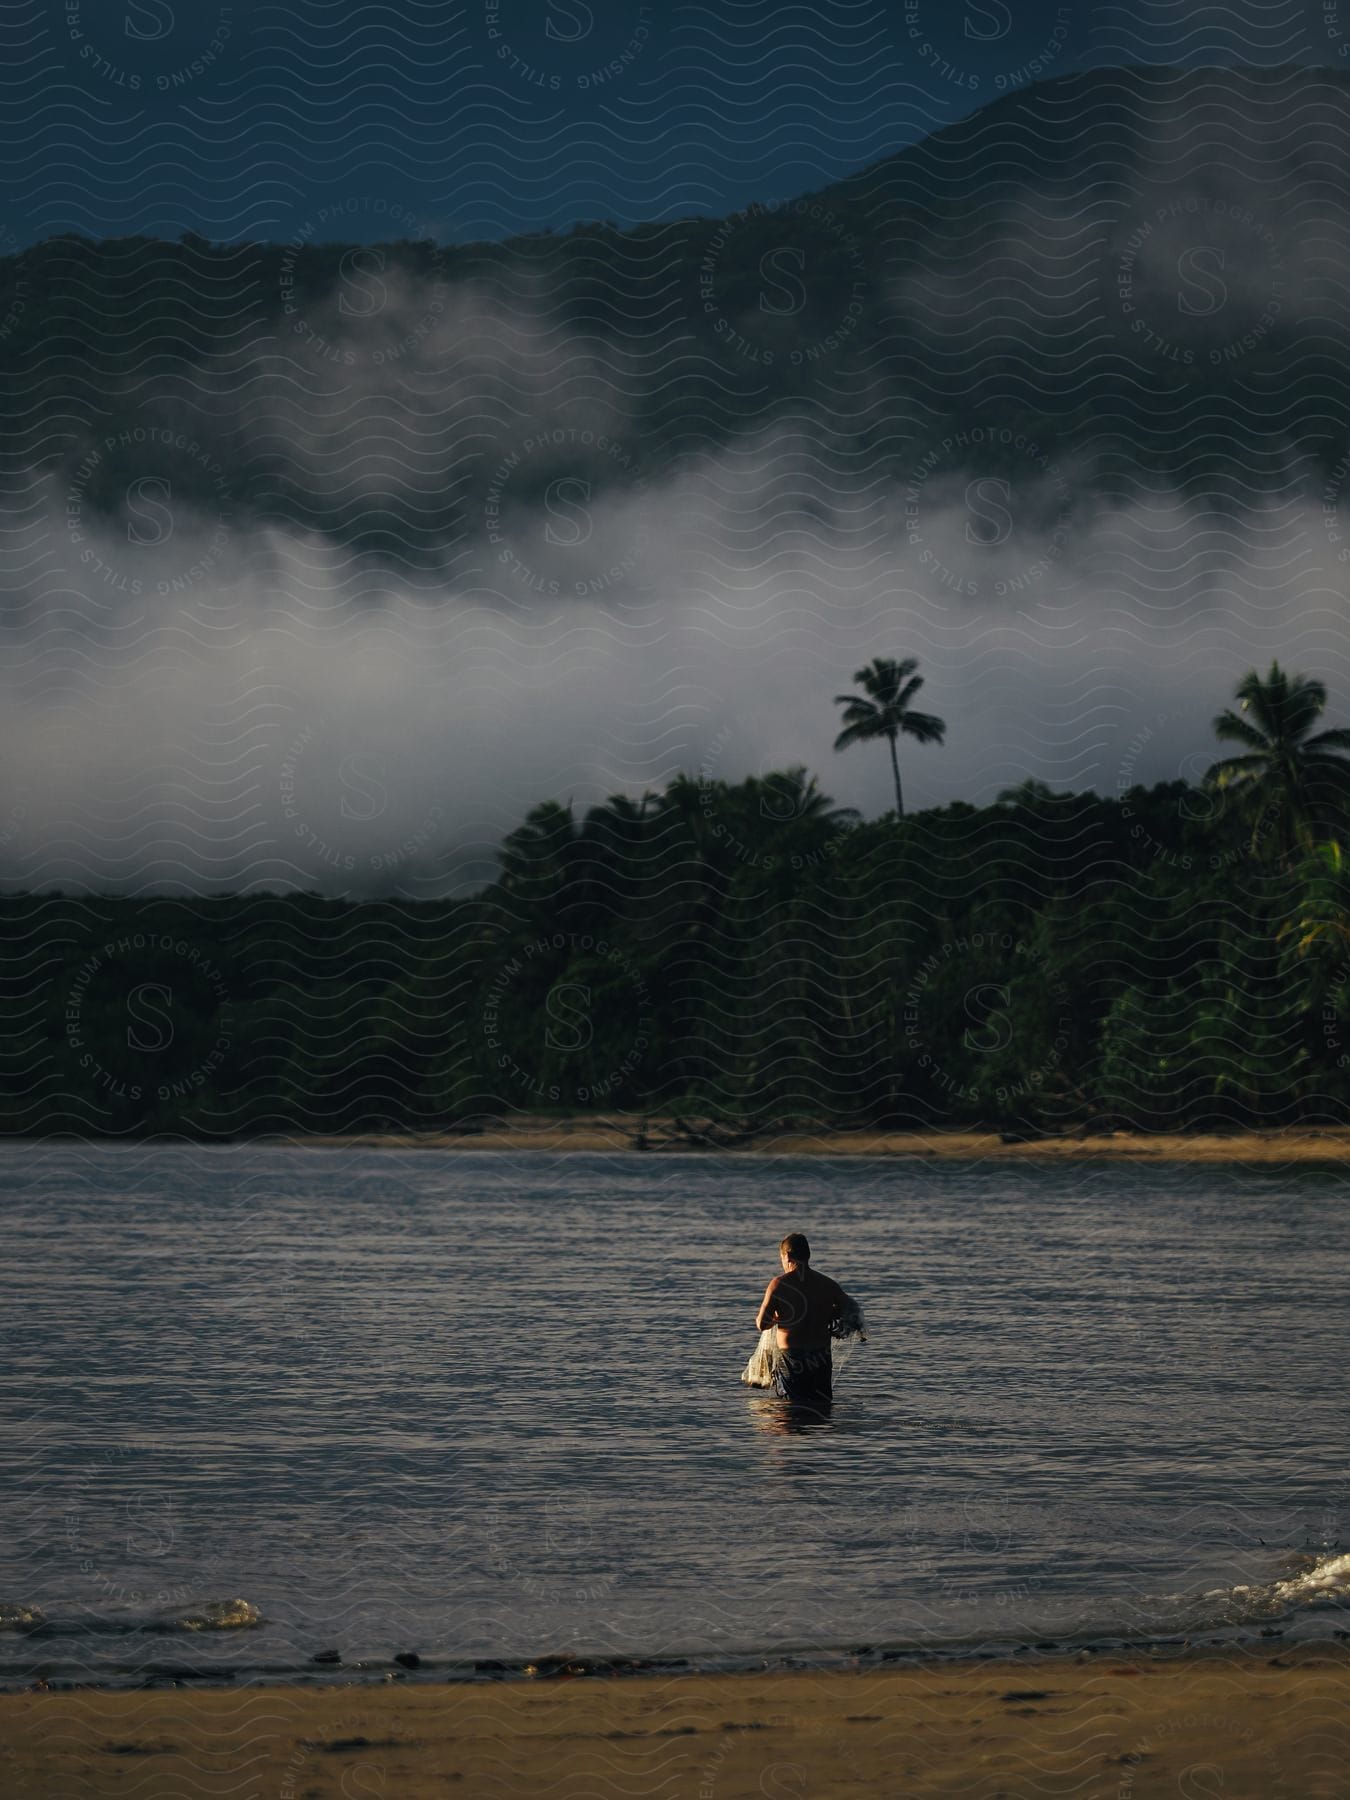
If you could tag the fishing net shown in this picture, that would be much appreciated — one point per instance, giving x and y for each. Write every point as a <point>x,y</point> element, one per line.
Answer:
<point>848,1331</point>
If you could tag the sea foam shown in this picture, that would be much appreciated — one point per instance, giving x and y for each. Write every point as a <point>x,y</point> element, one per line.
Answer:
<point>1312,1581</point>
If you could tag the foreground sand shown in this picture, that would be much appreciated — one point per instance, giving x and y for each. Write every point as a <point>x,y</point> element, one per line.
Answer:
<point>621,1132</point>
<point>1109,1728</point>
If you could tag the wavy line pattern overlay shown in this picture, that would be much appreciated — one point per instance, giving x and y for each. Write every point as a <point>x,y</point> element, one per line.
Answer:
<point>466,466</point>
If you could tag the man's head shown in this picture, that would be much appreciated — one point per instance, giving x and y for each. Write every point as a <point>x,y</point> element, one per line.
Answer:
<point>794,1249</point>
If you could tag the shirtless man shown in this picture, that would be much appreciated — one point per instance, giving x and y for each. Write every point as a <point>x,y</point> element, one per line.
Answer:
<point>802,1305</point>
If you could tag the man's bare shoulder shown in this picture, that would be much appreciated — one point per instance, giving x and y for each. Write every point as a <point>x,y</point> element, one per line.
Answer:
<point>771,1292</point>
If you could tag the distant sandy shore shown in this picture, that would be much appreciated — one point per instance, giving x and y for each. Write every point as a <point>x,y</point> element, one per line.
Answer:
<point>622,1132</point>
<point>1256,1725</point>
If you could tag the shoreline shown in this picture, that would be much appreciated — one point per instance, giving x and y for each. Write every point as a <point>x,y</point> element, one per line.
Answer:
<point>622,1133</point>
<point>1114,1726</point>
<point>591,1135</point>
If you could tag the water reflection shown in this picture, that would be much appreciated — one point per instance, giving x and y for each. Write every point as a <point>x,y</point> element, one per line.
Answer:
<point>791,1418</point>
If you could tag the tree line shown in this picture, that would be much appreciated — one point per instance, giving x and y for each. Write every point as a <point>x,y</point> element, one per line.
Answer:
<point>1173,956</point>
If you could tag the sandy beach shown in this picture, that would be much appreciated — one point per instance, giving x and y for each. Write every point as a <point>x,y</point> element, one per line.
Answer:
<point>626,1131</point>
<point>1247,1723</point>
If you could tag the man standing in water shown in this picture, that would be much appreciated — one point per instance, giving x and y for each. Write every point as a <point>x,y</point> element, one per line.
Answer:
<point>804,1306</point>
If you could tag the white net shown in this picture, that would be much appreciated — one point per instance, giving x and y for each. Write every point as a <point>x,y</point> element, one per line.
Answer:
<point>848,1331</point>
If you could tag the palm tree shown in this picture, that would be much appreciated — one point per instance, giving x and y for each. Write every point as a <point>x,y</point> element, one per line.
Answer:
<point>1289,774</point>
<point>1327,920</point>
<point>793,795</point>
<point>886,712</point>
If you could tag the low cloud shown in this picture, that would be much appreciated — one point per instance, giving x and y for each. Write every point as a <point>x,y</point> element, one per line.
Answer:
<point>202,694</point>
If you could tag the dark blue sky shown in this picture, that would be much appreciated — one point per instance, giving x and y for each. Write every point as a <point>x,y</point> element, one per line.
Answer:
<point>486,117</point>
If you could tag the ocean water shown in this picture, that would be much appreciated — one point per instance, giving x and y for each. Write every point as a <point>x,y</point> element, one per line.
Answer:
<point>262,1403</point>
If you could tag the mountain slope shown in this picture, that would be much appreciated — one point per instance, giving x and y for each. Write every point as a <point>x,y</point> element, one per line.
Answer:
<point>1143,271</point>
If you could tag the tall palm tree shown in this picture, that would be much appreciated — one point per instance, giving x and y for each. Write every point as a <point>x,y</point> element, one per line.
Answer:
<point>1290,775</point>
<point>886,712</point>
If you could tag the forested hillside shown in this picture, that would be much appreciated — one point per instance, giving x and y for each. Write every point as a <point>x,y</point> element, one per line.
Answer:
<point>884,311</point>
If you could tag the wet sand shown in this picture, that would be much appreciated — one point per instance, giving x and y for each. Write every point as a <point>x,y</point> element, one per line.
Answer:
<point>1265,1724</point>
<point>623,1131</point>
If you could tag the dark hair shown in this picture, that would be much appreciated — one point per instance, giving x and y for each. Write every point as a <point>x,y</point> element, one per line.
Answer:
<point>796,1247</point>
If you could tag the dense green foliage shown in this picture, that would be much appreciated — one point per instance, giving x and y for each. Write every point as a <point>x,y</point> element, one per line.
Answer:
<point>741,951</point>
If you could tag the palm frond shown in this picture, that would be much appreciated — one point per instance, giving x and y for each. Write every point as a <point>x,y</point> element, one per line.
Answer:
<point>1232,728</point>
<point>1263,698</point>
<point>1338,738</point>
<point>861,731</point>
<point>926,727</point>
<point>1237,768</point>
